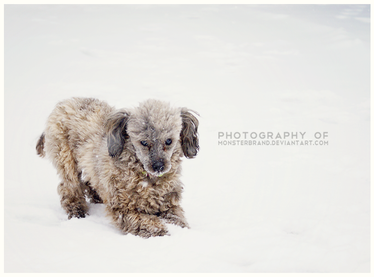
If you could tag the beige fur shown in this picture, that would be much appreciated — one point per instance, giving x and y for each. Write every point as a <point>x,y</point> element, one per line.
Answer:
<point>128,159</point>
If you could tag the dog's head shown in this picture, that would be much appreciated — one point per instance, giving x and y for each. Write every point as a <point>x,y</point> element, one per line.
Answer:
<point>155,130</point>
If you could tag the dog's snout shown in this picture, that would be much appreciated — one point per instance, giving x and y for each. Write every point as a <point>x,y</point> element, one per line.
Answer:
<point>158,166</point>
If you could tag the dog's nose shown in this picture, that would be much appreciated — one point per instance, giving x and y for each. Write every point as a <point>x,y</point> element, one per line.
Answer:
<point>158,166</point>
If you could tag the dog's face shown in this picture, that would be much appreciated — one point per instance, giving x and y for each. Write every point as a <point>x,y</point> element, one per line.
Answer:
<point>155,131</point>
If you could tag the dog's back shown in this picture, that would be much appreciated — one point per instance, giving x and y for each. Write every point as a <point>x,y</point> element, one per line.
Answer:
<point>72,122</point>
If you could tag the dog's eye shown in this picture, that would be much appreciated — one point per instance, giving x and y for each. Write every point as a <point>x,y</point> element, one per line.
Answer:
<point>144,143</point>
<point>168,141</point>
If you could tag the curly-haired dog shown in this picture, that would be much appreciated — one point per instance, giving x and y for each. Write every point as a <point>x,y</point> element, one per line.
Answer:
<point>129,159</point>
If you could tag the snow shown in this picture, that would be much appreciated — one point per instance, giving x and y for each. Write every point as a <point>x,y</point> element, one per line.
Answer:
<point>251,68</point>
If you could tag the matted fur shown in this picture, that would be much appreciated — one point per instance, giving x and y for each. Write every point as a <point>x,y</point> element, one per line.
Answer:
<point>129,159</point>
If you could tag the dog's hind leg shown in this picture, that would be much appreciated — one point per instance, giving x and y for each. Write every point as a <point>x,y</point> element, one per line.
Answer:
<point>70,190</point>
<point>72,200</point>
<point>72,196</point>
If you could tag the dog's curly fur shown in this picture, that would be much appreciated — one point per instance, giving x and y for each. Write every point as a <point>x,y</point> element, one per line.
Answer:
<point>128,159</point>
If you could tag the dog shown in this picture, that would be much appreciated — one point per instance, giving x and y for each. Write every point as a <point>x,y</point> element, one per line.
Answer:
<point>128,159</point>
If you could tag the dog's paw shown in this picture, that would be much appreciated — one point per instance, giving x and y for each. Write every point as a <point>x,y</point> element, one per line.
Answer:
<point>141,225</point>
<point>77,212</point>
<point>74,207</point>
<point>155,232</point>
<point>152,227</point>
<point>176,220</point>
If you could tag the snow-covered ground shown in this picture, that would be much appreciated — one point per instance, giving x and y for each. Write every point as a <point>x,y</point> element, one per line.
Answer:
<point>244,68</point>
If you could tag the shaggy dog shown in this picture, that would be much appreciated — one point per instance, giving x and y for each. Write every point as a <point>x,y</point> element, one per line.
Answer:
<point>128,159</point>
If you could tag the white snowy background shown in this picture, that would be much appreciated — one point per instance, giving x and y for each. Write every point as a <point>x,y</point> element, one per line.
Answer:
<point>244,68</point>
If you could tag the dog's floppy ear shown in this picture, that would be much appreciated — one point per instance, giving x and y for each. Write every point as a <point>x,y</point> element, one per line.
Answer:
<point>189,136</point>
<point>115,129</point>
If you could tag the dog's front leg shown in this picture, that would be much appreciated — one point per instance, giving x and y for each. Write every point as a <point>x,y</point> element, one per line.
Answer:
<point>175,215</point>
<point>139,224</point>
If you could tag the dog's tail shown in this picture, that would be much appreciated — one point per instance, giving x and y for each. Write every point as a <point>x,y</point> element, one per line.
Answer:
<point>40,146</point>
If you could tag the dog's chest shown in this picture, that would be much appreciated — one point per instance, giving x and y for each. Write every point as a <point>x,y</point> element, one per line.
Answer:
<point>152,197</point>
